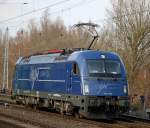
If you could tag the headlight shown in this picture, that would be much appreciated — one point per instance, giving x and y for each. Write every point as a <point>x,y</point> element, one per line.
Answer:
<point>125,89</point>
<point>86,89</point>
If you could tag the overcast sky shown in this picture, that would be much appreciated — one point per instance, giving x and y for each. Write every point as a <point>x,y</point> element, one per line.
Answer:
<point>71,11</point>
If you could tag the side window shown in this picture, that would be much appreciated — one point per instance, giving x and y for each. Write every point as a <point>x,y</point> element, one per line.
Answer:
<point>75,69</point>
<point>23,74</point>
<point>44,74</point>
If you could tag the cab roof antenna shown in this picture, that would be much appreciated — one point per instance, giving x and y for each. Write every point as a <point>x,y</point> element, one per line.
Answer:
<point>91,29</point>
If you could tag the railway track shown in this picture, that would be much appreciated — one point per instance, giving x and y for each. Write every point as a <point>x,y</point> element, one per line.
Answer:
<point>120,123</point>
<point>9,109</point>
<point>134,118</point>
<point>7,122</point>
<point>41,118</point>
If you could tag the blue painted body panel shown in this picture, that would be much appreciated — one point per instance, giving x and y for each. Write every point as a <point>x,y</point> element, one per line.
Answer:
<point>106,87</point>
<point>60,78</point>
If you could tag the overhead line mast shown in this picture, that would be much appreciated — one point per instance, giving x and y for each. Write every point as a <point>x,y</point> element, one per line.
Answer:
<point>5,62</point>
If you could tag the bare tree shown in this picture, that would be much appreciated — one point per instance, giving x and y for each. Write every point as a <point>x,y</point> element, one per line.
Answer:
<point>131,19</point>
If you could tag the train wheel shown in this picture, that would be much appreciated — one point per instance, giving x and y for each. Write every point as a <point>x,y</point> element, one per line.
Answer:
<point>34,106</point>
<point>26,102</point>
<point>62,112</point>
<point>77,114</point>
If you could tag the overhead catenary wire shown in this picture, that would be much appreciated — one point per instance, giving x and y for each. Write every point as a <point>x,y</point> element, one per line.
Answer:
<point>80,3</point>
<point>33,11</point>
<point>49,6</point>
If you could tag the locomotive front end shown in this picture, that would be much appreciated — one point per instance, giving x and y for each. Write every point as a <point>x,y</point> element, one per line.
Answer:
<point>105,87</point>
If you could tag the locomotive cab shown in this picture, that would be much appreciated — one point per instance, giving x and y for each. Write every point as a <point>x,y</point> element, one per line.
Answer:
<point>103,84</point>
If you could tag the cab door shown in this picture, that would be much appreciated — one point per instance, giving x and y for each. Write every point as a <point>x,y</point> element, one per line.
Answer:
<point>74,82</point>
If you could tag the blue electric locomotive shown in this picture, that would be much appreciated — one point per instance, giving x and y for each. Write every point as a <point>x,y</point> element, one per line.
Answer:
<point>89,83</point>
